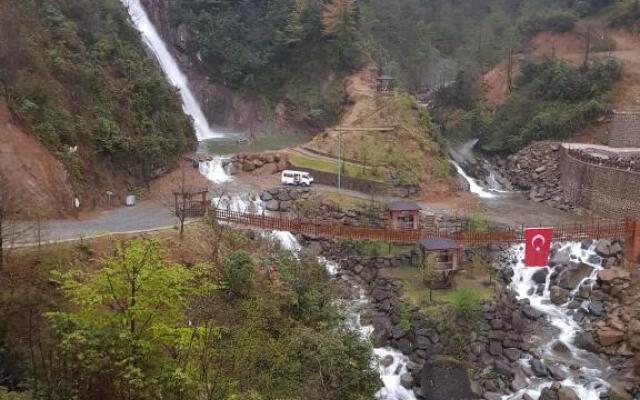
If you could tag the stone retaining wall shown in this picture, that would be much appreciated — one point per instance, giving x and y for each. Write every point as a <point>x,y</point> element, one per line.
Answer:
<point>625,130</point>
<point>608,191</point>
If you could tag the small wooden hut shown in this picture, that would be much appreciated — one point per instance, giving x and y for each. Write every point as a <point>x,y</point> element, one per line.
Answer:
<point>404,215</point>
<point>191,202</point>
<point>385,83</point>
<point>447,260</point>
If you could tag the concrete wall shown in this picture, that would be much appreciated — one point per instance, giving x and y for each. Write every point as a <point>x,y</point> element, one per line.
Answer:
<point>608,191</point>
<point>625,130</point>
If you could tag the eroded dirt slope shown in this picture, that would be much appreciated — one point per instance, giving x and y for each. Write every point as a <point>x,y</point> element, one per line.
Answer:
<point>38,180</point>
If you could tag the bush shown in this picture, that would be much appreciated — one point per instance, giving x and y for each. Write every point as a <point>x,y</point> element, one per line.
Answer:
<point>554,21</point>
<point>237,273</point>
<point>466,304</point>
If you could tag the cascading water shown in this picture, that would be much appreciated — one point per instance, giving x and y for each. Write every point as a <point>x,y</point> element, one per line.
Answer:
<point>585,371</point>
<point>474,187</point>
<point>171,69</point>
<point>214,170</point>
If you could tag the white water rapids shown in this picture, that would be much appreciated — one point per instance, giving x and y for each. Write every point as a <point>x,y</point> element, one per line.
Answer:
<point>586,377</point>
<point>171,69</point>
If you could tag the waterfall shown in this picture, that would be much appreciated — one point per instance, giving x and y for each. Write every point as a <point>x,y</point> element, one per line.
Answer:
<point>171,69</point>
<point>474,186</point>
<point>586,377</point>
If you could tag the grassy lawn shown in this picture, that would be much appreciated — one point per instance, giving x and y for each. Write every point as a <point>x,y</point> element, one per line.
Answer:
<point>349,169</point>
<point>416,292</point>
<point>344,201</point>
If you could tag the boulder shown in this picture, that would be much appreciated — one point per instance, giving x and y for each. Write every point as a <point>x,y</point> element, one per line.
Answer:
<point>248,166</point>
<point>596,308</point>
<point>386,360</point>
<point>585,291</point>
<point>611,274</point>
<point>538,368</point>
<point>603,247</point>
<point>540,276</point>
<point>565,393</point>
<point>608,336</point>
<point>585,341</point>
<point>571,277</point>
<point>556,372</point>
<point>440,381</point>
<point>548,394</point>
<point>285,206</point>
<point>406,380</point>
<point>266,196</point>
<point>495,347</point>
<point>560,257</point>
<point>558,295</point>
<point>512,354</point>
<point>273,205</point>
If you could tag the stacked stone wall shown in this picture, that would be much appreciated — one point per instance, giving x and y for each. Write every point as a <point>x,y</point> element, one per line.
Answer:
<point>625,130</point>
<point>608,191</point>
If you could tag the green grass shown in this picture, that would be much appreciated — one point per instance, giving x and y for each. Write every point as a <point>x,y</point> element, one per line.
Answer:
<point>349,169</point>
<point>416,292</point>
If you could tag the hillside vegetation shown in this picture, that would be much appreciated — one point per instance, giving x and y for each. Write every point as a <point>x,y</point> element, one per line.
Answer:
<point>75,74</point>
<point>169,319</point>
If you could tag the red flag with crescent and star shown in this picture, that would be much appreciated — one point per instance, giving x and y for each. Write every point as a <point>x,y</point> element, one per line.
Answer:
<point>537,245</point>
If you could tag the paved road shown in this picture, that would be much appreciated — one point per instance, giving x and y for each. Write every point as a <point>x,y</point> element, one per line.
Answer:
<point>145,216</point>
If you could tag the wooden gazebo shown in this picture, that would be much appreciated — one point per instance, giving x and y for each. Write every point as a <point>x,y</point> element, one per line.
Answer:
<point>191,202</point>
<point>446,256</point>
<point>404,215</point>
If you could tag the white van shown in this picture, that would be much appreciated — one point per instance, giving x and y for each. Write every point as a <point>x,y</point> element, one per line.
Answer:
<point>296,178</point>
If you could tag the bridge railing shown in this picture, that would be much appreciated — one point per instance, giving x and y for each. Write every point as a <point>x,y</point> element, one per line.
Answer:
<point>618,229</point>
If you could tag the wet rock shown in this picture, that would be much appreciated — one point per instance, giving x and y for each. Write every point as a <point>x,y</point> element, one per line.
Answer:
<point>548,394</point>
<point>575,304</point>
<point>565,393</point>
<point>439,381</point>
<point>559,258</point>
<point>556,372</point>
<point>608,336</point>
<point>585,341</point>
<point>512,354</point>
<point>561,348</point>
<point>491,396</point>
<point>611,274</point>
<point>538,368</point>
<point>571,277</point>
<point>585,244</point>
<point>540,276</point>
<point>406,380</point>
<point>386,360</point>
<point>585,291</point>
<point>558,295</point>
<point>596,308</point>
<point>495,347</point>
<point>519,380</point>
<point>531,312</point>
<point>603,247</point>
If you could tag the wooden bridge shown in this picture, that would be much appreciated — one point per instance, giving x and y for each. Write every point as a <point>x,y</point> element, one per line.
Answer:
<point>624,229</point>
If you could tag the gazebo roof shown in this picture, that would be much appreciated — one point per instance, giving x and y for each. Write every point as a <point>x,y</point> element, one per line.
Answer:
<point>403,206</point>
<point>435,244</point>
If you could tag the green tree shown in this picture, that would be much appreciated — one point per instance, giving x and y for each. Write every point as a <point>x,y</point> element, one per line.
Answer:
<point>238,270</point>
<point>124,334</point>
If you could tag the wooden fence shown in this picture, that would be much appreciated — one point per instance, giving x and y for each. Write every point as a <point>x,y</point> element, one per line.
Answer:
<point>613,229</point>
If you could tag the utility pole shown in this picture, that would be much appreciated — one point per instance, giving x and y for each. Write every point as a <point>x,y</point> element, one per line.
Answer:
<point>339,160</point>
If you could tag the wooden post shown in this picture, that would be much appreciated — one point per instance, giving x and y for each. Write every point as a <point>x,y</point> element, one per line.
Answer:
<point>632,251</point>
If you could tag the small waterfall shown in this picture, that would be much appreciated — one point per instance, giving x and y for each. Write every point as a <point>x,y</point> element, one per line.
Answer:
<point>587,380</point>
<point>171,69</point>
<point>214,170</point>
<point>474,186</point>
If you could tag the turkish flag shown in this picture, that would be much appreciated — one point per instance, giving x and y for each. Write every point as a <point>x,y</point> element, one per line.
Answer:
<point>537,245</point>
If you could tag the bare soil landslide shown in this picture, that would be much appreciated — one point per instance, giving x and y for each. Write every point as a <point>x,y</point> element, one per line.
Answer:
<point>38,180</point>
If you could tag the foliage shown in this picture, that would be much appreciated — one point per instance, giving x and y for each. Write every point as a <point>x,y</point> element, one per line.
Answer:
<point>76,73</point>
<point>238,269</point>
<point>124,318</point>
<point>626,14</point>
<point>553,21</point>
<point>466,304</point>
<point>551,101</point>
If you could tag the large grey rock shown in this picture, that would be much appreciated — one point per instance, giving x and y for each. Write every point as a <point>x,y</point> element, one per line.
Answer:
<point>548,394</point>
<point>406,380</point>
<point>596,308</point>
<point>540,276</point>
<point>439,381</point>
<point>565,393</point>
<point>603,247</point>
<point>556,372</point>
<point>560,257</point>
<point>571,277</point>
<point>266,196</point>
<point>538,368</point>
<point>558,295</point>
<point>386,360</point>
<point>585,341</point>
<point>273,205</point>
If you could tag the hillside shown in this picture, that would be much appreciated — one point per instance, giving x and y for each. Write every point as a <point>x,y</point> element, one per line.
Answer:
<point>409,154</point>
<point>75,75</point>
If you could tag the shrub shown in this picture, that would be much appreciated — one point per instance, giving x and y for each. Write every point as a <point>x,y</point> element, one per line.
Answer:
<point>237,273</point>
<point>554,21</point>
<point>465,303</point>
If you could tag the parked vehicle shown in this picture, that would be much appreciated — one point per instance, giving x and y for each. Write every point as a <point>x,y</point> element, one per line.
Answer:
<point>296,178</point>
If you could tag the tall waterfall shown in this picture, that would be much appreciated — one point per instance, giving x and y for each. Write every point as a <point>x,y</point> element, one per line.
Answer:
<point>171,69</point>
